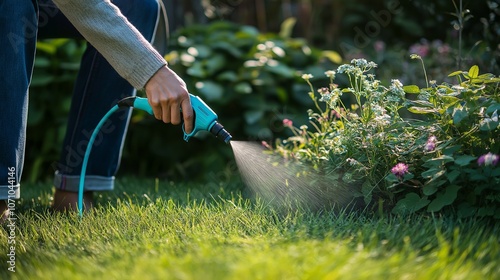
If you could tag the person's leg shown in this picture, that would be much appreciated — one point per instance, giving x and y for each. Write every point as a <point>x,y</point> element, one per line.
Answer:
<point>18,30</point>
<point>97,89</point>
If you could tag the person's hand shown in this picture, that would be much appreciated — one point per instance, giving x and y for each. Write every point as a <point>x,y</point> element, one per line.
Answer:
<point>167,94</point>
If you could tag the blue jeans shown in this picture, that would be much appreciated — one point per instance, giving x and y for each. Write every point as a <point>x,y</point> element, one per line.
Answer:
<point>96,90</point>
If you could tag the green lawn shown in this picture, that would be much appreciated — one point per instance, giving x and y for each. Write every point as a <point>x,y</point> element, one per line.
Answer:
<point>161,230</point>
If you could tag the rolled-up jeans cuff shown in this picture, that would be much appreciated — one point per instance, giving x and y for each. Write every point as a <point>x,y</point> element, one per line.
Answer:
<point>71,183</point>
<point>10,192</point>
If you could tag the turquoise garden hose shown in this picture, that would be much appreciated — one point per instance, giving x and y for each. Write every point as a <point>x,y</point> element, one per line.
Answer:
<point>205,119</point>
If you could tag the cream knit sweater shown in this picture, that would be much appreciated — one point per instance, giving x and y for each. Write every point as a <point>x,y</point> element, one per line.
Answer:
<point>103,25</point>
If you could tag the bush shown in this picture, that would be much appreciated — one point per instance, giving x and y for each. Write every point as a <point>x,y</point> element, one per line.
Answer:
<point>444,160</point>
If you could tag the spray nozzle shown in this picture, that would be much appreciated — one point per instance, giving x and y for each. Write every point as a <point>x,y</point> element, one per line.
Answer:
<point>204,117</point>
<point>219,132</point>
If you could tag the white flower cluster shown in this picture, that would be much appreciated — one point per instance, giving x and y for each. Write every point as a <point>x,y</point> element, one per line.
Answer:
<point>363,63</point>
<point>330,74</point>
<point>307,77</point>
<point>396,92</point>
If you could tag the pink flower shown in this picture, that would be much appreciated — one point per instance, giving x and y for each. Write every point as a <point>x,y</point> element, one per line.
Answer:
<point>379,46</point>
<point>431,144</point>
<point>287,122</point>
<point>266,145</point>
<point>400,170</point>
<point>336,114</point>
<point>488,159</point>
<point>421,49</point>
<point>323,91</point>
<point>444,49</point>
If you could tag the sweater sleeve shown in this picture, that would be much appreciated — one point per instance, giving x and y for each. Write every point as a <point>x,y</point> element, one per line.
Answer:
<point>102,24</point>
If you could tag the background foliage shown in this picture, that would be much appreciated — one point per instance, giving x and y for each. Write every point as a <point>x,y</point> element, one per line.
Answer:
<point>337,25</point>
<point>240,70</point>
<point>248,78</point>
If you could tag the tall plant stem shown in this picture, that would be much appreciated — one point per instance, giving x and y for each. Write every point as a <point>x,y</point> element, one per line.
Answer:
<point>461,23</point>
<point>425,73</point>
<point>460,17</point>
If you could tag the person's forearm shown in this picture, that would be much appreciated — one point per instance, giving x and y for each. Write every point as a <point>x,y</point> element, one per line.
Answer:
<point>103,25</point>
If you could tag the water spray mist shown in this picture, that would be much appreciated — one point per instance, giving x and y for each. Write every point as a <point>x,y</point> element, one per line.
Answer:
<point>289,185</point>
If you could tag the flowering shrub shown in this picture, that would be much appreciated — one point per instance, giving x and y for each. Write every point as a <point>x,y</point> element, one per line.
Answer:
<point>442,156</point>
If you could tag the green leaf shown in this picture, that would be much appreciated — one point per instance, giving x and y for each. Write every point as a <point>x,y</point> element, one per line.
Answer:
<point>200,51</point>
<point>459,114</point>
<point>243,88</point>
<point>474,72</point>
<point>252,117</point>
<point>444,198</point>
<point>432,173</point>
<point>450,100</point>
<point>423,103</point>
<point>455,73</point>
<point>333,56</point>
<point>486,76</point>
<point>185,42</point>
<point>451,150</point>
<point>210,90</point>
<point>477,177</point>
<point>391,178</point>
<point>485,211</point>
<point>197,70</point>
<point>464,160</point>
<point>227,76</point>
<point>42,62</point>
<point>287,27</point>
<point>214,64</point>
<point>232,50</point>
<point>438,161</point>
<point>410,204</point>
<point>50,46</point>
<point>489,125</point>
<point>492,80</point>
<point>247,31</point>
<point>281,69</point>
<point>411,89</point>
<point>408,176</point>
<point>453,175</point>
<point>492,108</point>
<point>421,110</point>
<point>430,189</point>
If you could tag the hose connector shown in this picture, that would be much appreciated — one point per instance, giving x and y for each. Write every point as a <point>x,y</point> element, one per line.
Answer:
<point>219,132</point>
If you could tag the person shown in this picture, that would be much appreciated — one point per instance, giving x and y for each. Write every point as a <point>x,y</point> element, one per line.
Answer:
<point>119,60</point>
